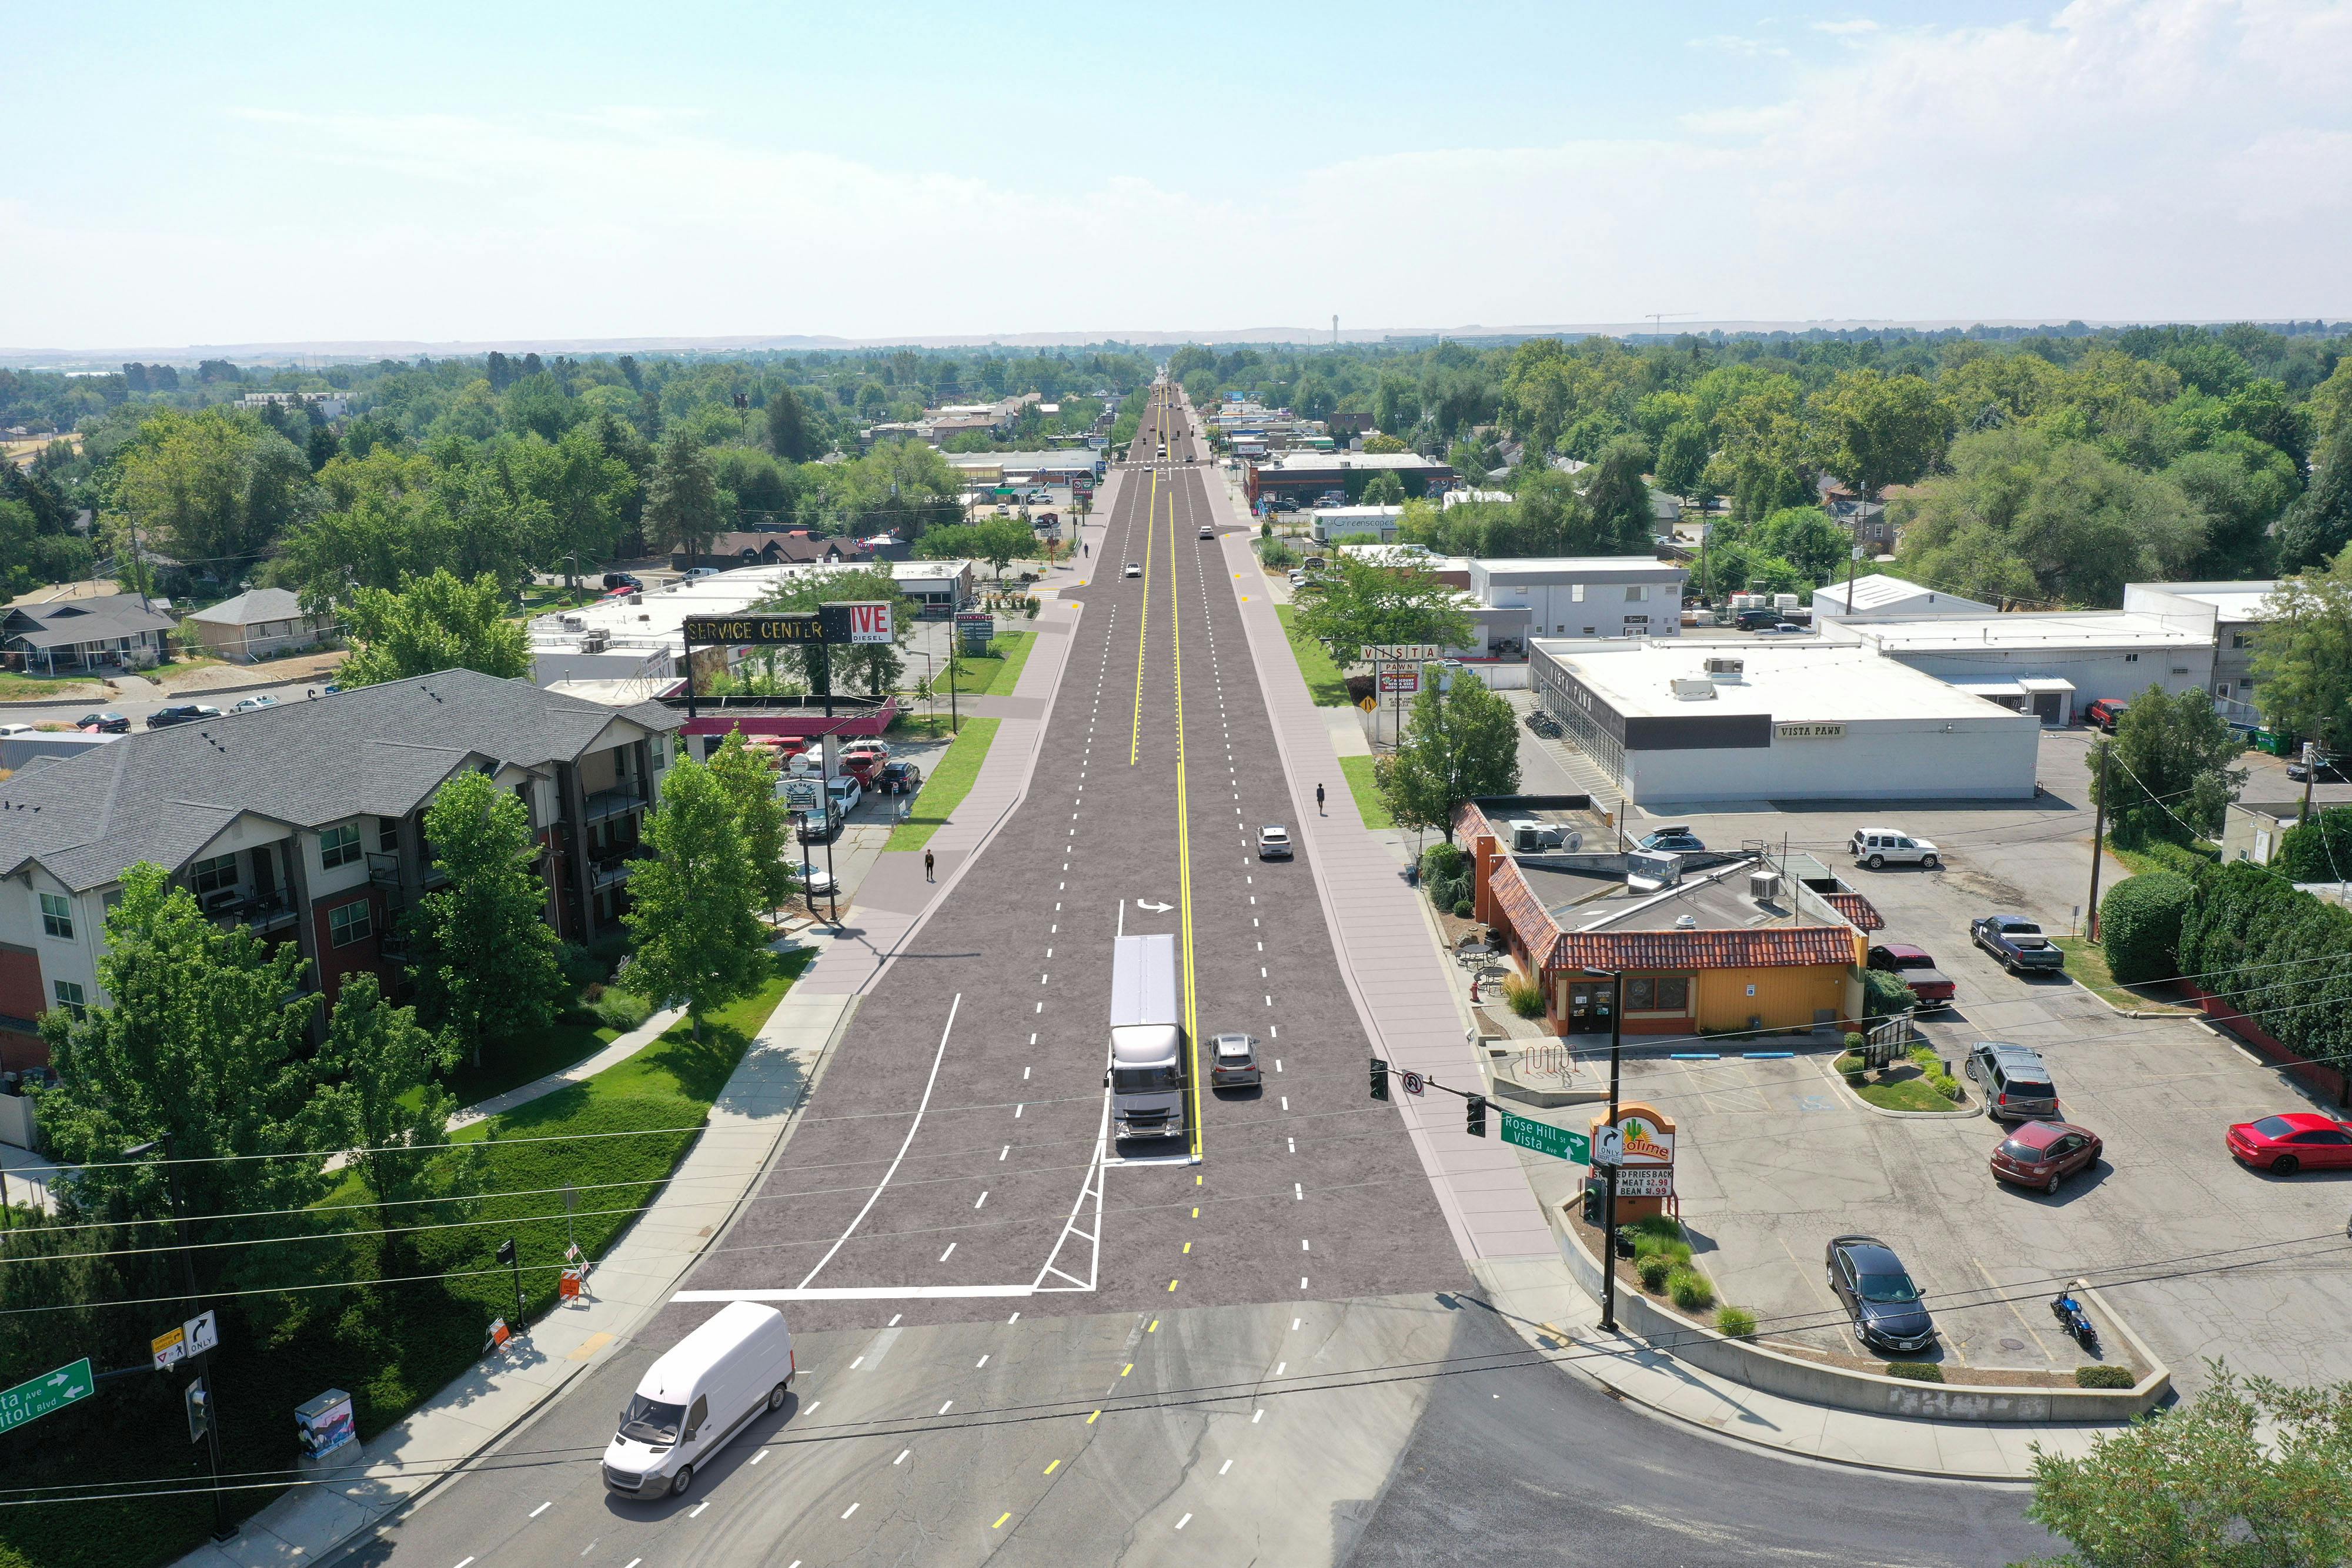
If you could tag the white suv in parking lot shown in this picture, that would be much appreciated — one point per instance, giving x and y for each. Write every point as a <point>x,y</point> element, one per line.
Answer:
<point>1877,847</point>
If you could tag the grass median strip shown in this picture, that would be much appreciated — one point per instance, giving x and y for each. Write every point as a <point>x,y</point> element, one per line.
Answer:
<point>1370,805</point>
<point>1324,681</point>
<point>946,784</point>
<point>2086,965</point>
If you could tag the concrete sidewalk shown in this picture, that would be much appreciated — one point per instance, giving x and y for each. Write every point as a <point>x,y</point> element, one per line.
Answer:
<point>618,1052</point>
<point>336,1501</point>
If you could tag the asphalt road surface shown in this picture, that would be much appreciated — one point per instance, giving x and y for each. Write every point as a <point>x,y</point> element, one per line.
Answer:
<point>1271,1359</point>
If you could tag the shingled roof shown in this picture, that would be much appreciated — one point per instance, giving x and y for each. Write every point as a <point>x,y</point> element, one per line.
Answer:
<point>163,795</point>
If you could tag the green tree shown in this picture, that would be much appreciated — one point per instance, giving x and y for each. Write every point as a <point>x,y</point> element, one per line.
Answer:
<point>2249,1474</point>
<point>1683,457</point>
<point>489,964</point>
<point>1381,443</point>
<point>1383,489</point>
<point>1462,742</point>
<point>2167,768</point>
<point>200,1046</point>
<point>429,624</point>
<point>2303,656</point>
<point>998,541</point>
<point>761,823</point>
<point>875,666</point>
<point>580,490</point>
<point>2240,488</point>
<point>694,908</point>
<point>1362,604</point>
<point>1880,429</point>
<point>2316,530</point>
<point>788,436</point>
<point>1619,498</point>
<point>682,503</point>
<point>1807,540</point>
<point>380,1094</point>
<point>2319,849</point>
<point>211,489</point>
<point>539,405</point>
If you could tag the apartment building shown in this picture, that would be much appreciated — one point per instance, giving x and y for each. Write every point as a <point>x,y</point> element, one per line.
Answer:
<point>304,823</point>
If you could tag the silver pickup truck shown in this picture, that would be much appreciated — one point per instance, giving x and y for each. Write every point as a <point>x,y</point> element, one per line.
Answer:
<point>2016,943</point>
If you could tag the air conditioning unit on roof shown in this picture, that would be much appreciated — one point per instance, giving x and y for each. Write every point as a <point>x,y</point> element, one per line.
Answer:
<point>1724,667</point>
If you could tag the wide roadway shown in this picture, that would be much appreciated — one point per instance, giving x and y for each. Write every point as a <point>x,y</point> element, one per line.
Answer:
<point>1269,1327</point>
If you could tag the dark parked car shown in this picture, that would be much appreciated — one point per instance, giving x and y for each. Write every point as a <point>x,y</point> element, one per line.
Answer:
<point>622,579</point>
<point>1233,1062</point>
<point>1879,1295</point>
<point>2018,943</point>
<point>1672,840</point>
<point>2331,770</point>
<point>2286,1144</point>
<point>103,724</point>
<point>898,779</point>
<point>1931,987</point>
<point>181,713</point>
<point>2044,1153</point>
<point>2017,1086</point>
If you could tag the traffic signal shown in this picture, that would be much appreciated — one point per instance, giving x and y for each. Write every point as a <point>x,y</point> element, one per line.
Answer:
<point>1474,1107</point>
<point>1380,1078</point>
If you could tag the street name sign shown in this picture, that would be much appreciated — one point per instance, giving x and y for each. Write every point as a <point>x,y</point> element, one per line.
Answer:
<point>1546,1139</point>
<point>31,1400</point>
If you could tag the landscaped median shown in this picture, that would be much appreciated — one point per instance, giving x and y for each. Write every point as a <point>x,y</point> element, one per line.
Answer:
<point>946,786</point>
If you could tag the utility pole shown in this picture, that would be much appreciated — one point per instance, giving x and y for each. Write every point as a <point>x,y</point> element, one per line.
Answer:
<point>2099,836</point>
<point>2310,771</point>
<point>1609,1196</point>
<point>222,1529</point>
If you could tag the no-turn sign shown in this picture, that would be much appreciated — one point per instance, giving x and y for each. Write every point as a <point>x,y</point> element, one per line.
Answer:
<point>1414,1082</point>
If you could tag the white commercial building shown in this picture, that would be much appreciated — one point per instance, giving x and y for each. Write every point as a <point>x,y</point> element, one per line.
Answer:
<point>1585,596</point>
<point>1881,598</point>
<point>1710,722</point>
<point>641,636</point>
<point>1328,524</point>
<point>2052,666</point>
<point>2232,613</point>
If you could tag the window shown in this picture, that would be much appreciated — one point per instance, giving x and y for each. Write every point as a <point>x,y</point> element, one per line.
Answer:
<point>350,923</point>
<point>69,996</point>
<point>387,835</point>
<point>339,845</point>
<point>56,916</point>
<point>1635,593</point>
<point>2131,658</point>
<point>2239,639</point>
<point>1663,994</point>
<point>214,875</point>
<point>1576,594</point>
<point>2222,690</point>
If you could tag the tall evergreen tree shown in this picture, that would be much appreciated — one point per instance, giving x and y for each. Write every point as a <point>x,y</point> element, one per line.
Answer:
<point>682,497</point>
<point>788,428</point>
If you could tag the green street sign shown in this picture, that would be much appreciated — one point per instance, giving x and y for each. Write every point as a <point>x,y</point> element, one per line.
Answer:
<point>1546,1139</point>
<point>40,1396</point>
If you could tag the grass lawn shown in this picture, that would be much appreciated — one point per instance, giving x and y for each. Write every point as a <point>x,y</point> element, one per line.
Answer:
<point>946,785</point>
<point>991,674</point>
<point>1368,804</point>
<point>1324,681</point>
<point>1904,1094</point>
<point>2086,964</point>
<point>36,688</point>
<point>536,600</point>
<point>550,1049</point>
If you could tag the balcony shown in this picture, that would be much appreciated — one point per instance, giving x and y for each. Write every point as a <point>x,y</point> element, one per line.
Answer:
<point>611,870</point>
<point>606,804</point>
<point>260,913</point>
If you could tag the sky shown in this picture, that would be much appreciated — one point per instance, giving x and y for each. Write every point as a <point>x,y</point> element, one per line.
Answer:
<point>191,175</point>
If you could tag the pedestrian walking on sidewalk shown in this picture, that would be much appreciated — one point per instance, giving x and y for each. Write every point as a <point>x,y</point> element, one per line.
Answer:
<point>1318,801</point>
<point>927,866</point>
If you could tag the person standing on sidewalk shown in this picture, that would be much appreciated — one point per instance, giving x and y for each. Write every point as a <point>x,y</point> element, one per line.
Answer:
<point>927,866</point>
<point>1318,800</point>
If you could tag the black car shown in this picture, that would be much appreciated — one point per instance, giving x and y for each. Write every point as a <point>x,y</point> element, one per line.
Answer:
<point>2331,770</point>
<point>1877,1292</point>
<point>622,579</point>
<point>897,779</point>
<point>1672,840</point>
<point>103,724</point>
<point>181,713</point>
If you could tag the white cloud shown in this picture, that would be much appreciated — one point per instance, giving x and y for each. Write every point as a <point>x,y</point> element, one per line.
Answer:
<point>2182,160</point>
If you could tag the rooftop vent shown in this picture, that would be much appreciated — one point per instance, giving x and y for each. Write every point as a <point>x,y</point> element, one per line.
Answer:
<point>1763,885</point>
<point>1723,668</point>
<point>1693,688</point>
<point>1686,921</point>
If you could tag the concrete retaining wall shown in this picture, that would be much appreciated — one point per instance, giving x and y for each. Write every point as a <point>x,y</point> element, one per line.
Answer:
<point>1770,1372</point>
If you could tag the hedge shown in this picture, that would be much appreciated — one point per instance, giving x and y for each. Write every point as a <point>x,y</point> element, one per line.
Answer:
<point>2277,953</point>
<point>1884,994</point>
<point>2140,925</point>
<point>2315,851</point>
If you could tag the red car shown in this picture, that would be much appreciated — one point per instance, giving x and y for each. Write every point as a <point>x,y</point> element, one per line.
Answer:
<point>1931,987</point>
<point>2044,1153</point>
<point>2294,1141</point>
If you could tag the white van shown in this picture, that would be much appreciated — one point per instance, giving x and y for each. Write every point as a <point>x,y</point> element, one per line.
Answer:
<point>701,1393</point>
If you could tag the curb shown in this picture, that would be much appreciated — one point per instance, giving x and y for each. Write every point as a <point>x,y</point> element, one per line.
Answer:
<point>1964,1109</point>
<point>2092,992</point>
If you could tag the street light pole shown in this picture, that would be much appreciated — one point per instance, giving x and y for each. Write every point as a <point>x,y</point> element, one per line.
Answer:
<point>1608,1172</point>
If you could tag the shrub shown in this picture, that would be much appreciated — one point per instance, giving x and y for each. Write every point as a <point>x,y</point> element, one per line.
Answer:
<point>2104,1377</point>
<point>1526,996</point>
<point>1915,1371</point>
<point>2140,925</point>
<point>580,968</point>
<point>1276,553</point>
<point>1852,1067</point>
<point>1736,1322</point>
<point>1664,1225</point>
<point>1648,1244</point>
<point>621,1011</point>
<point>1690,1289</point>
<point>1855,1041</point>
<point>1654,1270</point>
<point>1461,911</point>
<point>1882,995</point>
<point>1947,1085</point>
